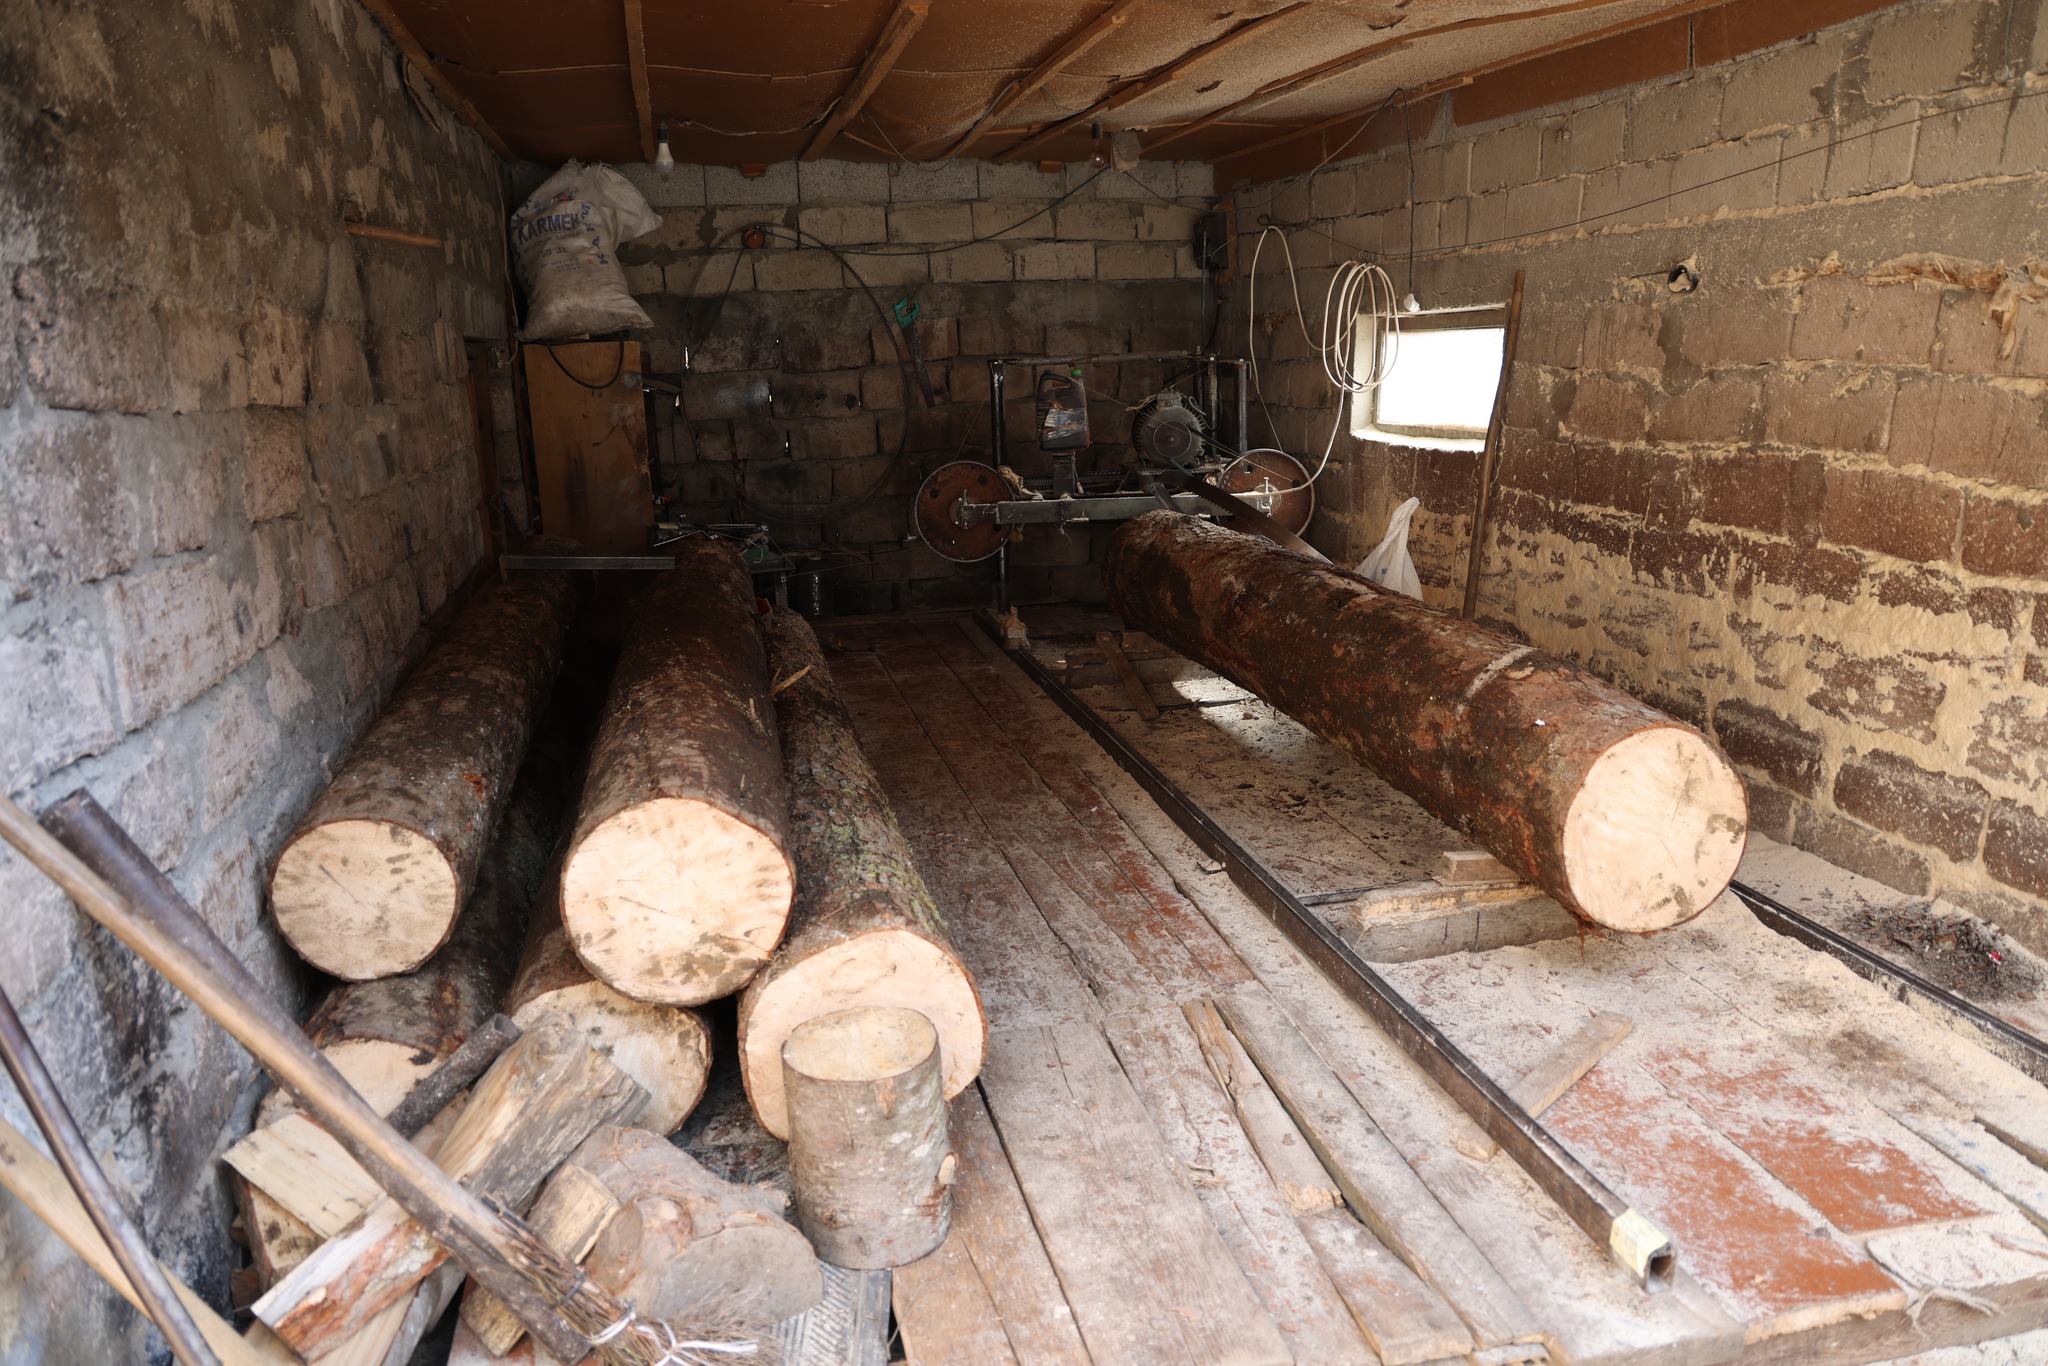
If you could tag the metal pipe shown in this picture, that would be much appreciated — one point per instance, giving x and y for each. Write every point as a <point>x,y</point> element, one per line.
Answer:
<point>74,1157</point>
<point>998,437</point>
<point>1632,1240</point>
<point>1244,407</point>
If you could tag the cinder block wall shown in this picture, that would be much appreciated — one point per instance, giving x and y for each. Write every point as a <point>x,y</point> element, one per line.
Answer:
<point>1806,506</point>
<point>794,405</point>
<point>236,474</point>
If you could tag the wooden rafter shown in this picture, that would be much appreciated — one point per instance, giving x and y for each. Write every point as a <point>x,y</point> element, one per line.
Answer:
<point>1351,61</point>
<point>401,38</point>
<point>636,63</point>
<point>1064,56</point>
<point>1165,76</point>
<point>903,25</point>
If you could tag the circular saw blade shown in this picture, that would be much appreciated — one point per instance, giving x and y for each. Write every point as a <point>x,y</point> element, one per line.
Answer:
<point>1257,471</point>
<point>943,490</point>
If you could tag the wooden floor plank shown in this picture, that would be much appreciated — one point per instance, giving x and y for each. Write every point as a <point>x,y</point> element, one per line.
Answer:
<point>944,1312</point>
<point>1981,1154</point>
<point>1147,1275</point>
<point>1405,1320</point>
<point>1593,1312</point>
<point>1159,1054</point>
<point>1022,968</point>
<point>979,664</point>
<point>1382,1189</point>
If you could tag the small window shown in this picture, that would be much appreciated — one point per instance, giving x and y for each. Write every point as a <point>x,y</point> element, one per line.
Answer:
<point>1442,370</point>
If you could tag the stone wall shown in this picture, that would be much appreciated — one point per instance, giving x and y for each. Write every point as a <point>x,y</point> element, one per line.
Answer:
<point>1805,506</point>
<point>794,403</point>
<point>236,475</point>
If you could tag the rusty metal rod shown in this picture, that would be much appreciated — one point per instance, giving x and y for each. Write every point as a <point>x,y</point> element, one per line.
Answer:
<point>102,1206</point>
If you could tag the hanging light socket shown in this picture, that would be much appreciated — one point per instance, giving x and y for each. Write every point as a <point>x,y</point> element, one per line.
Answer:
<point>664,160</point>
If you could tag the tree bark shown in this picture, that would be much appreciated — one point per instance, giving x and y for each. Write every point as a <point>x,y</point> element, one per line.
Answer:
<point>864,930</point>
<point>868,1151</point>
<point>374,879</point>
<point>687,1246</point>
<point>677,884</point>
<point>1626,816</point>
<point>667,1049</point>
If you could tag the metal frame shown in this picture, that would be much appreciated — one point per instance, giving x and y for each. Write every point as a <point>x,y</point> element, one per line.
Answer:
<point>1114,507</point>
<point>1607,1219</point>
<point>1987,1031</point>
<point>1208,393</point>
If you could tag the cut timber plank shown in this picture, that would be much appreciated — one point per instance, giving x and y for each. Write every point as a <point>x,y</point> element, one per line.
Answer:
<point>1377,1181</point>
<point>1762,1250</point>
<point>1133,686</point>
<point>1563,1065</point>
<point>590,443</point>
<point>1024,972</point>
<point>1591,1308</point>
<point>299,1165</point>
<point>1405,1320</point>
<point>1983,1156</point>
<point>1147,1275</point>
<point>1013,1309</point>
<point>1429,920</point>
<point>1835,1153</point>
<point>1304,1183</point>
<point>1194,1117</point>
<point>1471,867</point>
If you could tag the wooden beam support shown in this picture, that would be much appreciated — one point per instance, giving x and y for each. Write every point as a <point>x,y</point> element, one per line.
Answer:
<point>401,38</point>
<point>1062,57</point>
<point>903,25</point>
<point>1165,76</point>
<point>636,64</point>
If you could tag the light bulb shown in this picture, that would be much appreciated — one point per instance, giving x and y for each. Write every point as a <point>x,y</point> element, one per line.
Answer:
<point>664,160</point>
<point>1411,304</point>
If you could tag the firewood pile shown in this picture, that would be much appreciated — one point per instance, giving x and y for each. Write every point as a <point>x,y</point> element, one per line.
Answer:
<point>530,929</point>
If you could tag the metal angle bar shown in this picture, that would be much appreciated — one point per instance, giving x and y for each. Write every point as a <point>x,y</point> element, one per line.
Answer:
<point>2003,1041</point>
<point>1103,508</point>
<point>512,563</point>
<point>1607,1219</point>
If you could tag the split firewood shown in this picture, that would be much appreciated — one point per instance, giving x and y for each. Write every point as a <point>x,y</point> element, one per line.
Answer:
<point>667,1049</point>
<point>686,1244</point>
<point>529,1112</point>
<point>864,931</point>
<point>377,874</point>
<point>572,1210</point>
<point>1626,816</point>
<point>868,1152</point>
<point>677,883</point>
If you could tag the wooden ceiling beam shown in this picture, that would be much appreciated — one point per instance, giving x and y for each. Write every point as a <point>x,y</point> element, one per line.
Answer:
<point>1351,61</point>
<point>903,24</point>
<point>401,38</point>
<point>1165,76</point>
<point>636,64</point>
<point>1064,56</point>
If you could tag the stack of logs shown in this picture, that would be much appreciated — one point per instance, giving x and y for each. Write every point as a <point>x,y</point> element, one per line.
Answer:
<point>474,875</point>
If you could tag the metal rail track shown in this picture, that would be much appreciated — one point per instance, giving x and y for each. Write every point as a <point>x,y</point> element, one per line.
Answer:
<point>2001,1040</point>
<point>1630,1238</point>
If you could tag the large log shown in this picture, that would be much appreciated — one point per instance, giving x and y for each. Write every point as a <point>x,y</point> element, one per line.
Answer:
<point>864,931</point>
<point>677,885</point>
<point>1626,816</point>
<point>868,1153</point>
<point>667,1049</point>
<point>374,879</point>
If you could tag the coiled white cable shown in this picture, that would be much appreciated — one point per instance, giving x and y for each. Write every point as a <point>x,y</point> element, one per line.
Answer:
<point>1357,290</point>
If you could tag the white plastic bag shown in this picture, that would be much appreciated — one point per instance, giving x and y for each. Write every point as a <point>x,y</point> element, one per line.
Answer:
<point>1389,565</point>
<point>566,239</point>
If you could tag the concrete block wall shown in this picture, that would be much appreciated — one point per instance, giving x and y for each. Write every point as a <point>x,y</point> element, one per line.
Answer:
<point>236,476</point>
<point>1805,506</point>
<point>795,402</point>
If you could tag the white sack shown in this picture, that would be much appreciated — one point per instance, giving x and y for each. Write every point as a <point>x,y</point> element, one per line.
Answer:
<point>565,239</point>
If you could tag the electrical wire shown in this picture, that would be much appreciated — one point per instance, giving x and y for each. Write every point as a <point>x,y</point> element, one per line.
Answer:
<point>618,370</point>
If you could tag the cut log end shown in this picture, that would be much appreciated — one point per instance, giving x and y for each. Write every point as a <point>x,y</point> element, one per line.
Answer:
<point>1655,831</point>
<point>362,899</point>
<point>666,1050</point>
<point>884,968</point>
<point>676,901</point>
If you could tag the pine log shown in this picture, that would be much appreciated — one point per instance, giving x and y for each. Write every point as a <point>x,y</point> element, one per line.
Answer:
<point>689,1246</point>
<point>667,1049</point>
<point>1627,817</point>
<point>864,930</point>
<point>868,1153</point>
<point>677,884</point>
<point>530,1111</point>
<point>374,879</point>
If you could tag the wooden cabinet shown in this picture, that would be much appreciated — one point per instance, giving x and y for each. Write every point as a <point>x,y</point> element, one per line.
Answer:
<point>590,443</point>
